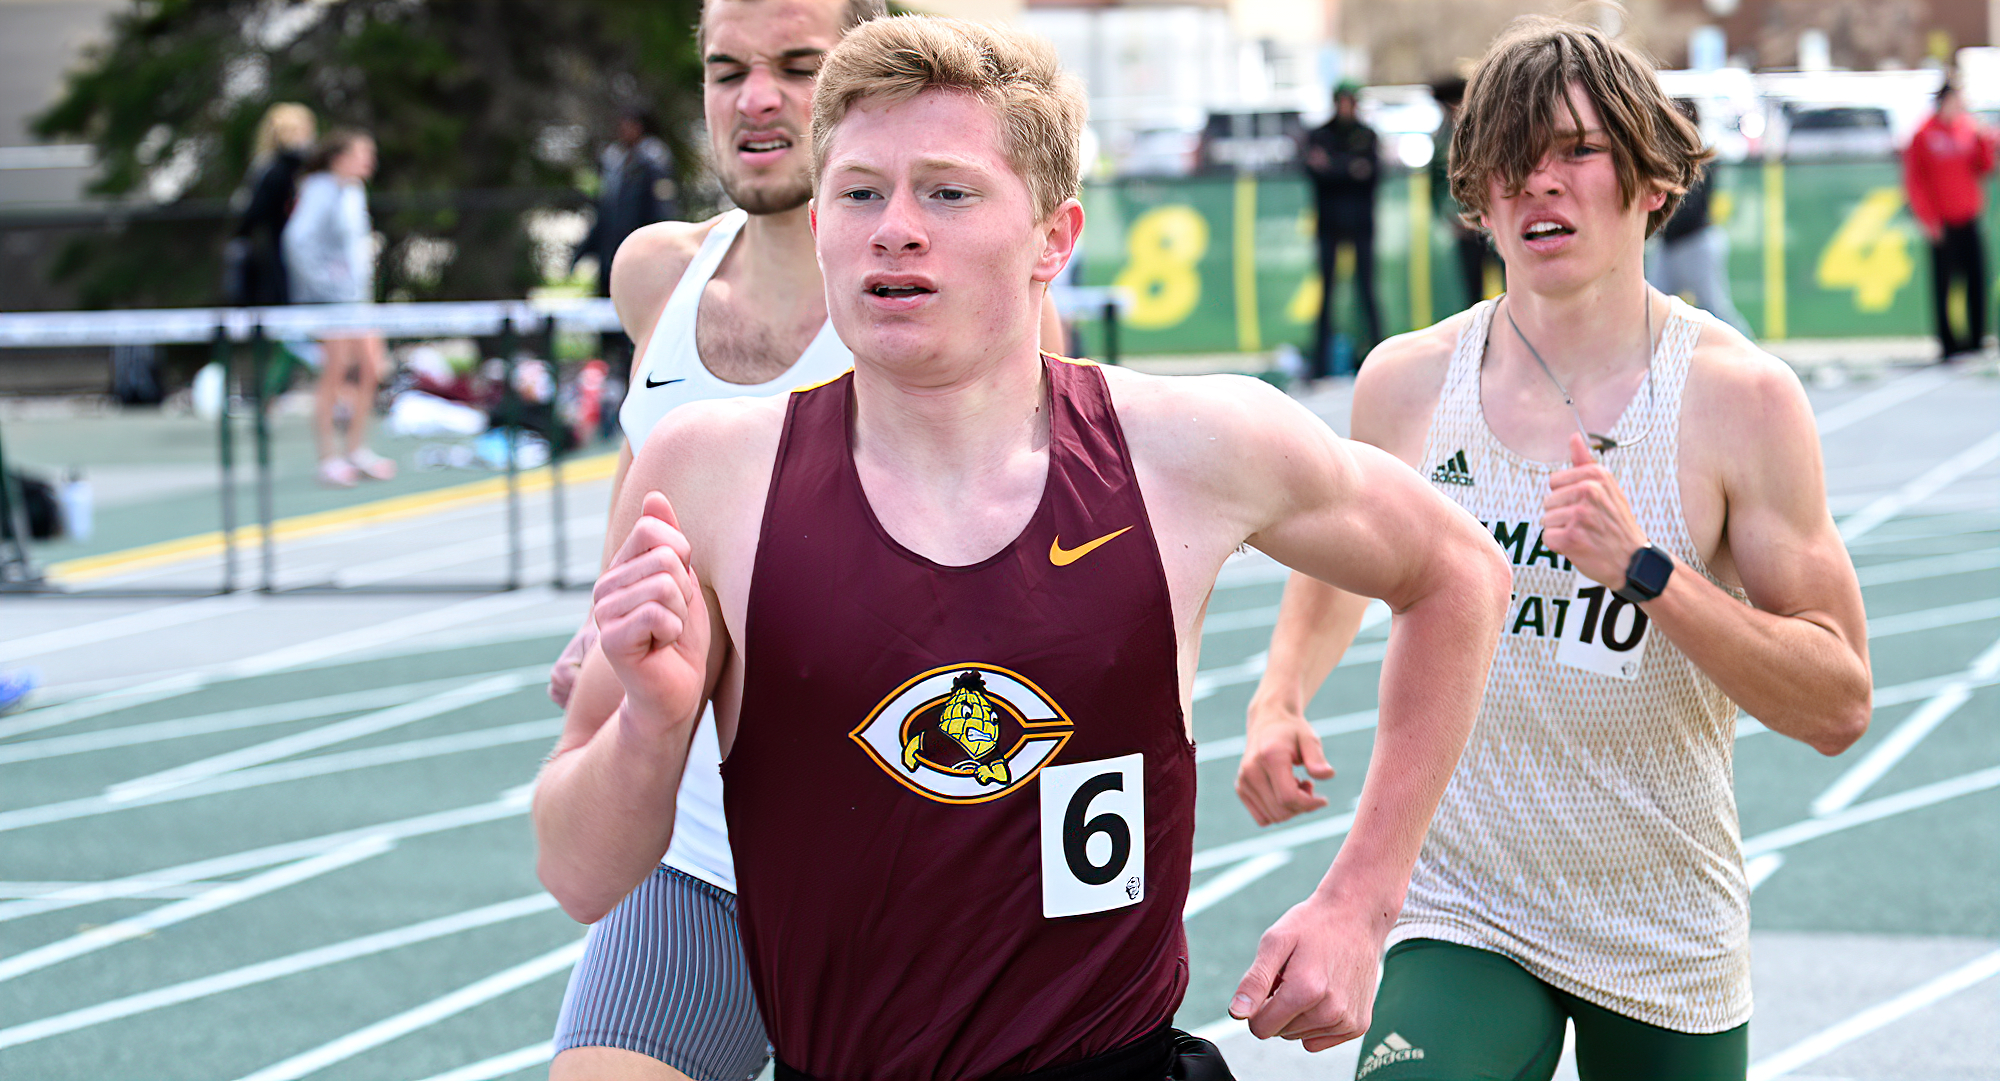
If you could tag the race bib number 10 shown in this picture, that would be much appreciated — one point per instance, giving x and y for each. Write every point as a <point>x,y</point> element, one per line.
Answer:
<point>1093,835</point>
<point>1602,632</point>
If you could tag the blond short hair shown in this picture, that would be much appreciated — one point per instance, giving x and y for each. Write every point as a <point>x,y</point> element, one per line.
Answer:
<point>1039,105</point>
<point>1515,105</point>
<point>286,126</point>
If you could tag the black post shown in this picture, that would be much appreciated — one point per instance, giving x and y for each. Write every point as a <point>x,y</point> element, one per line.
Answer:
<point>1111,331</point>
<point>15,566</point>
<point>561,539</point>
<point>225,355</point>
<point>510,410</point>
<point>260,360</point>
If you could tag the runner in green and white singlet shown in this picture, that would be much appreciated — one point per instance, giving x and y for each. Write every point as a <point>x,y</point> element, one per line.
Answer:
<point>1647,471</point>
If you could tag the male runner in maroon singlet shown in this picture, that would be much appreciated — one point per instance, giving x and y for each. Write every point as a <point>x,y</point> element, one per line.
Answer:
<point>951,648</point>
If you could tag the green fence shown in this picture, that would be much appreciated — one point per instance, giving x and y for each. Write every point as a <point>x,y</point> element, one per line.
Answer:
<point>1225,264</point>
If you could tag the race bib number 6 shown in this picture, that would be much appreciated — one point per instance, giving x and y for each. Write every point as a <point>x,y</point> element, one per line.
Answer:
<point>1602,632</point>
<point>1093,836</point>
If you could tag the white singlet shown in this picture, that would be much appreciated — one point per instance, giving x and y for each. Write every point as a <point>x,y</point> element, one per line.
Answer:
<point>1590,831</point>
<point>671,374</point>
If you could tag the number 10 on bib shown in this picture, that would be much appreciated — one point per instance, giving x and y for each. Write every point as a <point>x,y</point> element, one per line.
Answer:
<point>1093,836</point>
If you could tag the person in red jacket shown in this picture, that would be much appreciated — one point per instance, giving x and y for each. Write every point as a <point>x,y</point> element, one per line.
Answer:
<point>1943,170</point>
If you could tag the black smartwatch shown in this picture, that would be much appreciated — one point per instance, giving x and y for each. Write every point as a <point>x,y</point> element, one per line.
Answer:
<point>1646,576</point>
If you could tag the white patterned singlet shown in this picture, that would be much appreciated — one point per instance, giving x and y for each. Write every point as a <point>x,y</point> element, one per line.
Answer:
<point>1590,831</point>
<point>669,375</point>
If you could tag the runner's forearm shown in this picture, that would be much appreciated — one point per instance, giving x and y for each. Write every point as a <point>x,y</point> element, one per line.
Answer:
<point>1433,679</point>
<point>1316,625</point>
<point>604,812</point>
<point>1795,673</point>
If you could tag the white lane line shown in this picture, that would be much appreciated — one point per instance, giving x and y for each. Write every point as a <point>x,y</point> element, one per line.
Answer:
<point>15,891</point>
<point>1874,810</point>
<point>1929,483</point>
<point>294,656</point>
<point>501,1065</point>
<point>1904,738</point>
<point>1224,1028</point>
<point>1210,680</point>
<point>278,968</point>
<point>1883,397</point>
<point>1930,619</point>
<point>1909,570</point>
<point>235,719</point>
<point>1232,881</point>
<point>104,630</point>
<point>1251,618</point>
<point>1232,746</point>
<point>449,701</point>
<point>222,896</point>
<point>1763,867</point>
<point>281,772</point>
<point>491,546</point>
<point>1754,849</point>
<point>524,631</point>
<point>430,1013</point>
<point>1826,1041</point>
<point>1281,840</point>
<point>1895,694</point>
<point>1774,841</point>
<point>1251,669</point>
<point>510,804</point>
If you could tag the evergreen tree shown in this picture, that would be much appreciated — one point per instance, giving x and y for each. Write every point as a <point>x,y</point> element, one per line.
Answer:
<point>482,110</point>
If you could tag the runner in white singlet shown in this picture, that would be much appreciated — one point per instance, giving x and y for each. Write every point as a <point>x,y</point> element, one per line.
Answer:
<point>668,375</point>
<point>730,307</point>
<point>1647,472</point>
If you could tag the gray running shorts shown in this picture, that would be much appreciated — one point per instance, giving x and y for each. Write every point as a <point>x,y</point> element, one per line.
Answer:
<point>663,974</point>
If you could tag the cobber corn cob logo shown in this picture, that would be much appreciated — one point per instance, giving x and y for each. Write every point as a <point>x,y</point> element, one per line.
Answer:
<point>964,733</point>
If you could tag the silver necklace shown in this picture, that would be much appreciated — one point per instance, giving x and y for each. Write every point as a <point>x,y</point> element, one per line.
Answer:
<point>1598,443</point>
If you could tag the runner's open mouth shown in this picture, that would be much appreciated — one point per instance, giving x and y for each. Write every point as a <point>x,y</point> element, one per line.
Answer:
<point>1542,230</point>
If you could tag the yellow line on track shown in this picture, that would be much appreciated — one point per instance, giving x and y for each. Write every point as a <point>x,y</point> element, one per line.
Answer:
<point>377,512</point>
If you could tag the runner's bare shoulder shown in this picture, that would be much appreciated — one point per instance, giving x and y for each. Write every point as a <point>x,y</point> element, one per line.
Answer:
<point>648,265</point>
<point>1204,434</point>
<point>713,454</point>
<point>1740,400</point>
<point>1397,391</point>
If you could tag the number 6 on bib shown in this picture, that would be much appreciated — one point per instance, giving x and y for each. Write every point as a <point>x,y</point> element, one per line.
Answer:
<point>1093,835</point>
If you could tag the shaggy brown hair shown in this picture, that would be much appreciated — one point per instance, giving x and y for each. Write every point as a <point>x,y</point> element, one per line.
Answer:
<point>1517,109</point>
<point>1039,105</point>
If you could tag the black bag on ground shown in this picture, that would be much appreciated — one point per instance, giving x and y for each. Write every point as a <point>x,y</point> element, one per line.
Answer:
<point>43,513</point>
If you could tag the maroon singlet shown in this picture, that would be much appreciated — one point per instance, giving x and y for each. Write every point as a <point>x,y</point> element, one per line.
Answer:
<point>930,758</point>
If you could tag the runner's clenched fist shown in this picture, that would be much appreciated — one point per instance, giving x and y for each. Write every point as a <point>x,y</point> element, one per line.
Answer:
<point>651,620</point>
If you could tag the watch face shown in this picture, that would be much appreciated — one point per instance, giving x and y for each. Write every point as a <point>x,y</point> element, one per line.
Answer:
<point>1649,572</point>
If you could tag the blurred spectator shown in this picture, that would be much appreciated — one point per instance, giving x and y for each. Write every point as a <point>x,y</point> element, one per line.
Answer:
<point>255,267</point>
<point>637,186</point>
<point>1475,251</point>
<point>1692,253</point>
<point>1341,161</point>
<point>1943,170</point>
<point>330,257</point>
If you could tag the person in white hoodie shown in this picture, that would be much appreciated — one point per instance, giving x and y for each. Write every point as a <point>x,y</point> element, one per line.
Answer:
<point>329,247</point>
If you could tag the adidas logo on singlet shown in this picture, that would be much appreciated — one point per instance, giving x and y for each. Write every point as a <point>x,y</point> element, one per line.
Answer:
<point>1453,470</point>
<point>1392,1049</point>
